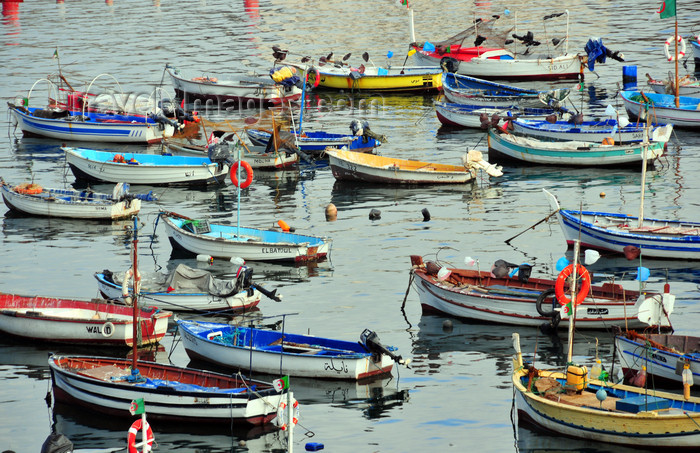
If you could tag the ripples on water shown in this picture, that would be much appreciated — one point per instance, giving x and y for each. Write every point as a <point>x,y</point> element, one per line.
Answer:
<point>458,391</point>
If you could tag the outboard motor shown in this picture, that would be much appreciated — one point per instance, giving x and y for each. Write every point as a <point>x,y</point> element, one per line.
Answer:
<point>220,153</point>
<point>370,340</point>
<point>161,119</point>
<point>503,268</point>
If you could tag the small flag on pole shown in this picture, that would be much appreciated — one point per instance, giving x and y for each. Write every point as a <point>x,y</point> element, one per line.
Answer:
<point>55,54</point>
<point>137,407</point>
<point>668,9</point>
<point>281,383</point>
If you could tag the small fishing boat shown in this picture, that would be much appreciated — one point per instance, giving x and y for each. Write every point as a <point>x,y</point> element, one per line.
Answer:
<point>259,157</point>
<point>141,168</point>
<point>461,89</point>
<point>70,321</point>
<point>348,165</point>
<point>200,237</point>
<point>269,351</point>
<point>574,153</point>
<point>589,131</point>
<point>186,289</point>
<point>172,393</point>
<point>662,108</point>
<point>589,405</point>
<point>656,238</point>
<point>475,116</point>
<point>497,62</point>
<point>663,356</point>
<point>241,90</point>
<point>390,79</point>
<point>688,86</point>
<point>91,126</point>
<point>36,200</point>
<point>521,300</point>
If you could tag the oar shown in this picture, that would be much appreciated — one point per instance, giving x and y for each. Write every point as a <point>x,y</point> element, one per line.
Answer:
<point>530,228</point>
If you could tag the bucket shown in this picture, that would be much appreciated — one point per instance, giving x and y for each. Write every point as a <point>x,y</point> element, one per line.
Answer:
<point>576,378</point>
<point>629,77</point>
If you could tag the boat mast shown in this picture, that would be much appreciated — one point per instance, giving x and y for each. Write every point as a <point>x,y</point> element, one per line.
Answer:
<point>572,315</point>
<point>135,305</point>
<point>675,40</point>
<point>645,149</point>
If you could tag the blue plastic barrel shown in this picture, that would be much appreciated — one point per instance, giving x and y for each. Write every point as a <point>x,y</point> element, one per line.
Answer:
<point>629,77</point>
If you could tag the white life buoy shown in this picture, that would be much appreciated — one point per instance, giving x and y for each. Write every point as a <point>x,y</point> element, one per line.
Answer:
<point>107,329</point>
<point>283,417</point>
<point>125,284</point>
<point>131,438</point>
<point>681,51</point>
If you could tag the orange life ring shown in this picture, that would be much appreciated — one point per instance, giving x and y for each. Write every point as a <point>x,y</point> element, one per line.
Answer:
<point>582,293</point>
<point>248,174</point>
<point>131,439</point>
<point>28,189</point>
<point>315,79</point>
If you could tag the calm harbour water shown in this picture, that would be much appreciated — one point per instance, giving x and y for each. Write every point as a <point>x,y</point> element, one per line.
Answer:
<point>457,393</point>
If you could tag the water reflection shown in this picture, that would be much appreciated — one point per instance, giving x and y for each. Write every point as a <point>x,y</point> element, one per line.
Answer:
<point>18,227</point>
<point>529,440</point>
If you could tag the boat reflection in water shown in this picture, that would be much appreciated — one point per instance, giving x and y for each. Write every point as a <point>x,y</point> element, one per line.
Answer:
<point>529,440</point>
<point>89,432</point>
<point>438,337</point>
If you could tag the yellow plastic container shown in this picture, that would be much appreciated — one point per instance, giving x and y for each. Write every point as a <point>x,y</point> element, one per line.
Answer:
<point>576,378</point>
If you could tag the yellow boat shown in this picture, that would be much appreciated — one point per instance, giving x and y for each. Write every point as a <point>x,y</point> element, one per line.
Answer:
<point>423,79</point>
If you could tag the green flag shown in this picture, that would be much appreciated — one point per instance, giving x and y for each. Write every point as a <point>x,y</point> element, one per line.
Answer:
<point>281,383</point>
<point>55,54</point>
<point>668,9</point>
<point>137,407</point>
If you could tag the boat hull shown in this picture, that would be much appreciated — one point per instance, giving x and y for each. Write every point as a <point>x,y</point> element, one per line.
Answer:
<point>602,422</point>
<point>316,142</point>
<point>535,151</point>
<point>659,363</point>
<point>258,159</point>
<point>253,244</point>
<point>186,302</point>
<point>69,204</point>
<point>152,169</point>
<point>663,109</point>
<point>593,132</point>
<point>458,115</point>
<point>308,357</point>
<point>77,321</point>
<point>204,401</point>
<point>399,79</point>
<point>111,132</point>
<point>348,165</point>
<point>509,301</point>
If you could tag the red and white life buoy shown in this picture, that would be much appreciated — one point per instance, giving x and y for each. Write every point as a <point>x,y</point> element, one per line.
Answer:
<point>248,174</point>
<point>283,417</point>
<point>131,438</point>
<point>681,51</point>
<point>582,292</point>
<point>125,284</point>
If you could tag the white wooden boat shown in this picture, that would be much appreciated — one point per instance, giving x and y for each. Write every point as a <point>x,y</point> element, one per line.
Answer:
<point>496,62</point>
<point>269,351</point>
<point>242,90</point>
<point>460,115</point>
<point>90,126</point>
<point>89,322</point>
<point>576,403</point>
<point>657,238</point>
<point>186,289</point>
<point>200,237</point>
<point>662,355</point>
<point>75,204</point>
<point>140,168</point>
<point>172,393</point>
<point>573,153</point>
<point>589,131</point>
<point>662,109</point>
<point>688,86</point>
<point>348,165</point>
<point>481,296</point>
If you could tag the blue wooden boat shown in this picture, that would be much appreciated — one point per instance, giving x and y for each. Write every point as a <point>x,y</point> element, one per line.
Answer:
<point>590,131</point>
<point>467,90</point>
<point>315,142</point>
<point>460,115</point>
<point>91,126</point>
<point>275,352</point>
